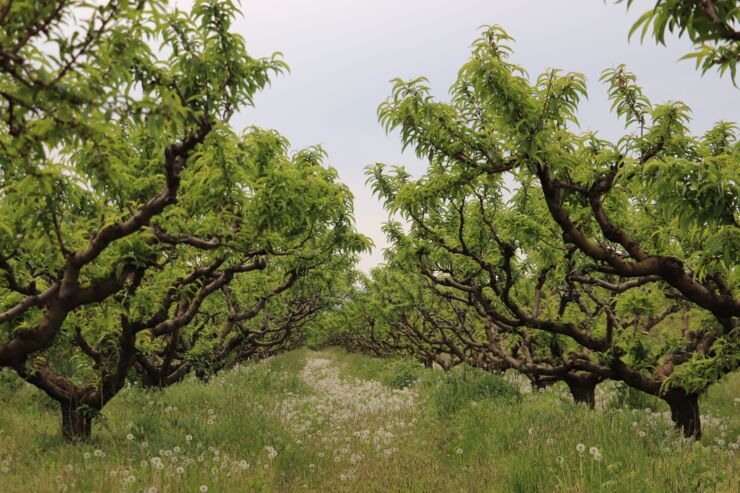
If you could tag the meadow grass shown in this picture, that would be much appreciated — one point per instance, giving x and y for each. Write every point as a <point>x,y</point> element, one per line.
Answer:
<point>332,421</point>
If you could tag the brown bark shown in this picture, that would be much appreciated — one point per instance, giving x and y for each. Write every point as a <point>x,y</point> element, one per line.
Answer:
<point>583,390</point>
<point>670,269</point>
<point>685,412</point>
<point>684,406</point>
<point>67,294</point>
<point>76,421</point>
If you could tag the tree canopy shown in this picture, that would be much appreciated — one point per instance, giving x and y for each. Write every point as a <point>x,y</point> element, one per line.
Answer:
<point>570,256</point>
<point>713,26</point>
<point>128,201</point>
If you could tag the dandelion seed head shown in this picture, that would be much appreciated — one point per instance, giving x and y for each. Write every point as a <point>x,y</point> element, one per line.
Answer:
<point>271,452</point>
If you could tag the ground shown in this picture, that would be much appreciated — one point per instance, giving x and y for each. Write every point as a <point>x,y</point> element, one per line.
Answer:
<point>329,421</point>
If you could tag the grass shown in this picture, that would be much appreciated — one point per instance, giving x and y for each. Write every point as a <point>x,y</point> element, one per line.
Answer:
<point>331,421</point>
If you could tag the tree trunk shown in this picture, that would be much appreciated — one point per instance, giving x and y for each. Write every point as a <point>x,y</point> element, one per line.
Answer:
<point>583,391</point>
<point>150,381</point>
<point>76,421</point>
<point>685,412</point>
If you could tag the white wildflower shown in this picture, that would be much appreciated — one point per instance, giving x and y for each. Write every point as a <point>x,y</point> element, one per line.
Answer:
<point>271,452</point>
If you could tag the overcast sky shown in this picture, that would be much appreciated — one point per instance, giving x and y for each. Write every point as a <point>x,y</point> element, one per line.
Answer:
<point>343,53</point>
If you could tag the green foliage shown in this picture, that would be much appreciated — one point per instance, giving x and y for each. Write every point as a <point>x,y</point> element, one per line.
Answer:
<point>713,26</point>
<point>702,370</point>
<point>521,225</point>
<point>397,373</point>
<point>141,235</point>
<point>455,390</point>
<point>401,374</point>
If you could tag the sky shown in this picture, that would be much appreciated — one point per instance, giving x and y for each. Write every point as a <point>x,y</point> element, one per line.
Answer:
<point>343,54</point>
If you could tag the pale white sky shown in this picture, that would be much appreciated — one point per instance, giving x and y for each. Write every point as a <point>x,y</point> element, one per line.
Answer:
<point>342,54</point>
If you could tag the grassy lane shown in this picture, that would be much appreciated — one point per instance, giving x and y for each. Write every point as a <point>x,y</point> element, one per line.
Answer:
<point>329,421</point>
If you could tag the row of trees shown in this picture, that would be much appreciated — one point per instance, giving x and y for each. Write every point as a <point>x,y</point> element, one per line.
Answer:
<point>141,237</point>
<point>567,257</point>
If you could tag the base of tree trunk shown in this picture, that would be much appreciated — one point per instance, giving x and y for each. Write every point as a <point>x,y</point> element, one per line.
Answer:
<point>76,422</point>
<point>685,412</point>
<point>583,391</point>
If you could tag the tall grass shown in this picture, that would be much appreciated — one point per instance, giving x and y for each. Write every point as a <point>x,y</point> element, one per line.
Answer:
<point>350,423</point>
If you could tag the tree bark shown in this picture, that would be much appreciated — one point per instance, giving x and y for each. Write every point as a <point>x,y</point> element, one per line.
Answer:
<point>685,412</point>
<point>76,421</point>
<point>583,391</point>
